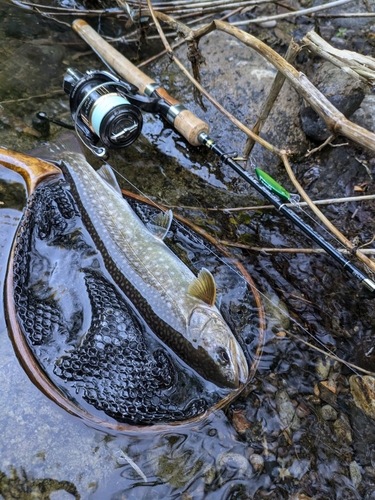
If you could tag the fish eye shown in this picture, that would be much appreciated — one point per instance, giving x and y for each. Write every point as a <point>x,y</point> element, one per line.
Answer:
<point>223,356</point>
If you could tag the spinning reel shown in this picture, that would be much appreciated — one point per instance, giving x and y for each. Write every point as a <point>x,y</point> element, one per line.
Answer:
<point>106,109</point>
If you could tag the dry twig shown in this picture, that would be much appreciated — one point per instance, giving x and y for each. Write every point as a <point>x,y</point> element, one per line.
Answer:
<point>272,207</point>
<point>357,65</point>
<point>302,12</point>
<point>244,246</point>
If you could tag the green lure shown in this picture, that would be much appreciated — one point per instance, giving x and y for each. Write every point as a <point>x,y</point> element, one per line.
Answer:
<point>272,185</point>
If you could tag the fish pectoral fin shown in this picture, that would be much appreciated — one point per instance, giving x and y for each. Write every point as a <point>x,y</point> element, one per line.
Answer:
<point>160,224</point>
<point>108,175</point>
<point>203,287</point>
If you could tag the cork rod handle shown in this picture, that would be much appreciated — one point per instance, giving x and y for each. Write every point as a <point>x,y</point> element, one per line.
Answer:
<point>186,123</point>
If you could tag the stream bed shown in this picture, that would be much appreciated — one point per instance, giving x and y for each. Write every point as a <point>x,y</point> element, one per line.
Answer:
<point>298,434</point>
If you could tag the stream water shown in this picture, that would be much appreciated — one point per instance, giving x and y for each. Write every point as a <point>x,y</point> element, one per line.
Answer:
<point>298,433</point>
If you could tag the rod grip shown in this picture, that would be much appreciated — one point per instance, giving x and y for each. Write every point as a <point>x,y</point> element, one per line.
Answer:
<point>186,123</point>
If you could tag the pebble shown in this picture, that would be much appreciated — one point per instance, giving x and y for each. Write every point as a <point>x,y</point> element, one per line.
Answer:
<point>363,392</point>
<point>277,313</point>
<point>302,410</point>
<point>329,413</point>
<point>286,410</point>
<point>355,473</point>
<point>257,461</point>
<point>322,368</point>
<point>240,422</point>
<point>327,392</point>
<point>267,24</point>
<point>234,460</point>
<point>341,428</point>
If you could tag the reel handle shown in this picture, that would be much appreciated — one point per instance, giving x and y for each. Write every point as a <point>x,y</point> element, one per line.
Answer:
<point>185,122</point>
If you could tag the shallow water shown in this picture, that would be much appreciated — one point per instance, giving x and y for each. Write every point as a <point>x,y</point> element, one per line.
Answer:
<point>284,440</point>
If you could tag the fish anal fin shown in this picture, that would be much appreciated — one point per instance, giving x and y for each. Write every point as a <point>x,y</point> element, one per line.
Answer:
<point>203,287</point>
<point>160,224</point>
<point>108,175</point>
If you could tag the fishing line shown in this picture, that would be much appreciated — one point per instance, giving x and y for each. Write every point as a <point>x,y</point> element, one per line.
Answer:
<point>294,199</point>
<point>265,298</point>
<point>323,227</point>
<point>329,233</point>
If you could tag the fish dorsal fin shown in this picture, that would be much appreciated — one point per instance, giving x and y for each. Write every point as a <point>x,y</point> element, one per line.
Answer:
<point>160,224</point>
<point>108,175</point>
<point>203,287</point>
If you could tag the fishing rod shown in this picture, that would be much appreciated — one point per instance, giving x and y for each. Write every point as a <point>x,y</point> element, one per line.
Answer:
<point>196,133</point>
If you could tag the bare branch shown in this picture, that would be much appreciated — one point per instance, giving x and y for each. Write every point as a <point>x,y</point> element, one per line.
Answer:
<point>357,65</point>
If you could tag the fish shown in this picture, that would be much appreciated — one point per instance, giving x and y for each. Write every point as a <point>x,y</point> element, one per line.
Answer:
<point>177,305</point>
<point>88,339</point>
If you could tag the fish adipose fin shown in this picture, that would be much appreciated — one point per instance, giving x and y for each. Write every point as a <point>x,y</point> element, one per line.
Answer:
<point>203,287</point>
<point>160,224</point>
<point>108,175</point>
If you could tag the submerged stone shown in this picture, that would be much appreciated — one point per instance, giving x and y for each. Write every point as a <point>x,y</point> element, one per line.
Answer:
<point>363,392</point>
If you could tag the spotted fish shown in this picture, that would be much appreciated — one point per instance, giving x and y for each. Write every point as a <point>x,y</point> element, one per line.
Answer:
<point>178,306</point>
<point>87,337</point>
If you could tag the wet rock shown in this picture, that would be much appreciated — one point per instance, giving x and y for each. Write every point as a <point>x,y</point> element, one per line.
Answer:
<point>342,90</point>
<point>364,115</point>
<point>209,475</point>
<point>286,410</point>
<point>350,23</point>
<point>257,461</point>
<point>322,368</point>
<point>300,496</point>
<point>174,464</point>
<point>329,413</point>
<point>240,422</point>
<point>24,81</point>
<point>355,473</point>
<point>299,468</point>
<point>231,464</point>
<point>277,313</point>
<point>342,429</point>
<point>302,410</point>
<point>363,392</point>
<point>327,393</point>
